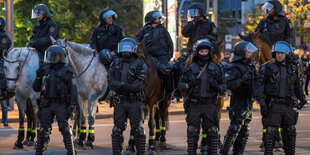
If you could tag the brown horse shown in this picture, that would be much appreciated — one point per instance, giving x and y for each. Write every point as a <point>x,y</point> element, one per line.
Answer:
<point>263,55</point>
<point>154,95</point>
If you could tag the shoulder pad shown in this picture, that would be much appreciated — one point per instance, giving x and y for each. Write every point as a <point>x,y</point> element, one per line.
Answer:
<point>212,66</point>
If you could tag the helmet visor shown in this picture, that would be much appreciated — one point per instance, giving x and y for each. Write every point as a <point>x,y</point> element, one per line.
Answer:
<point>251,48</point>
<point>52,57</point>
<point>281,48</point>
<point>36,13</point>
<point>109,13</point>
<point>126,47</point>
<point>267,6</point>
<point>192,13</point>
<point>160,16</point>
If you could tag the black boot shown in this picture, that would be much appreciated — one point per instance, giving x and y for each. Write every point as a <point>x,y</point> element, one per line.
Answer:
<point>68,140</point>
<point>289,140</point>
<point>212,137</point>
<point>42,140</point>
<point>241,140</point>
<point>192,139</point>
<point>229,139</point>
<point>269,138</point>
<point>204,147</point>
<point>117,141</point>
<point>130,150</point>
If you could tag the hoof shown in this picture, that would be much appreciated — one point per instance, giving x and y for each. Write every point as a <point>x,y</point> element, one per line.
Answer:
<point>31,143</point>
<point>79,144</point>
<point>151,150</point>
<point>18,145</point>
<point>88,146</point>
<point>25,142</point>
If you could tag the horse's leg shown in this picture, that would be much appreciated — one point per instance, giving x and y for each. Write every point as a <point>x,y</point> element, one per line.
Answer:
<point>164,119</point>
<point>29,123</point>
<point>151,124</point>
<point>21,103</point>
<point>92,108</point>
<point>76,124</point>
<point>34,110</point>
<point>157,124</point>
<point>82,130</point>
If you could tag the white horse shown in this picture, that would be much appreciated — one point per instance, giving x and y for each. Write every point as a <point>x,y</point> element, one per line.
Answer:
<point>91,83</point>
<point>20,66</point>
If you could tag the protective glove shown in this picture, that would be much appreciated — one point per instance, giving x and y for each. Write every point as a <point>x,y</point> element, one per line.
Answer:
<point>301,105</point>
<point>196,20</point>
<point>263,110</point>
<point>40,72</point>
<point>69,111</point>
<point>193,83</point>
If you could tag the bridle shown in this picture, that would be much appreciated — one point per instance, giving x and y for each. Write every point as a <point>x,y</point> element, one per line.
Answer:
<point>16,61</point>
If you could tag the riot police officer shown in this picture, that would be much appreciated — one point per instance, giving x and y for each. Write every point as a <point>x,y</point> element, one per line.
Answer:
<point>203,82</point>
<point>241,82</point>
<point>5,44</point>
<point>158,43</point>
<point>56,82</point>
<point>46,27</point>
<point>106,36</point>
<point>127,77</point>
<point>279,83</point>
<point>275,27</point>
<point>198,26</point>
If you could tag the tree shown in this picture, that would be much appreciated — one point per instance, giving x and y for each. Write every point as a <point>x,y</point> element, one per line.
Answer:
<point>252,19</point>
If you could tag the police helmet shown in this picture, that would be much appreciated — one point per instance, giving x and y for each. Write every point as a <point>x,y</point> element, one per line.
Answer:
<point>281,46</point>
<point>105,14</point>
<point>151,16</point>
<point>240,48</point>
<point>127,45</point>
<point>203,44</point>
<point>2,24</point>
<point>272,4</point>
<point>40,10</point>
<point>54,54</point>
<point>105,56</point>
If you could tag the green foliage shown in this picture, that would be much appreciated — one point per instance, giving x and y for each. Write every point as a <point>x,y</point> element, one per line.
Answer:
<point>252,19</point>
<point>76,19</point>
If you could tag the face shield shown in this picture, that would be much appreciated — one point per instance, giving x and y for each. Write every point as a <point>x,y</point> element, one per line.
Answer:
<point>53,57</point>
<point>126,47</point>
<point>266,7</point>
<point>192,13</point>
<point>160,16</point>
<point>109,13</point>
<point>250,48</point>
<point>36,13</point>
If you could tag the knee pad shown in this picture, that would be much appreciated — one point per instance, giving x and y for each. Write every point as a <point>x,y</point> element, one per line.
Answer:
<point>139,131</point>
<point>117,131</point>
<point>192,130</point>
<point>213,130</point>
<point>290,130</point>
<point>65,130</point>
<point>234,128</point>
<point>271,130</point>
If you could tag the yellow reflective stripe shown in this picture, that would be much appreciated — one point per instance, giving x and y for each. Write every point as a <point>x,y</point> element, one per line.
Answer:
<point>90,130</point>
<point>131,137</point>
<point>157,130</point>
<point>219,132</point>
<point>280,129</point>
<point>28,129</point>
<point>38,128</point>
<point>21,129</point>
<point>264,130</point>
<point>82,130</point>
<point>152,137</point>
<point>204,135</point>
<point>33,131</point>
<point>162,128</point>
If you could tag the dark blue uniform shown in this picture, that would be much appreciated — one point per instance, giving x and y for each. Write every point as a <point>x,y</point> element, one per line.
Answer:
<point>5,44</point>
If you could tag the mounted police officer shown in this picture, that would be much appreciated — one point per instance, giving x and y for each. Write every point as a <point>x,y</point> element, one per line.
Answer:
<point>46,27</point>
<point>106,36</point>
<point>275,27</point>
<point>5,44</point>
<point>158,43</point>
<point>127,77</point>
<point>278,86</point>
<point>198,26</point>
<point>241,82</point>
<point>56,82</point>
<point>203,82</point>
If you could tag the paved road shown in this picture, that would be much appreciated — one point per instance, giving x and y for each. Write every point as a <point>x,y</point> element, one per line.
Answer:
<point>176,137</point>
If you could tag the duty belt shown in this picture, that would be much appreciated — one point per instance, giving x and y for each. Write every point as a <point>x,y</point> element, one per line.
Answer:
<point>53,100</point>
<point>282,101</point>
<point>197,101</point>
<point>129,97</point>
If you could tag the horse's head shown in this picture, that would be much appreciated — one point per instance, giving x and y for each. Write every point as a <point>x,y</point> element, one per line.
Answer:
<point>252,37</point>
<point>11,68</point>
<point>60,42</point>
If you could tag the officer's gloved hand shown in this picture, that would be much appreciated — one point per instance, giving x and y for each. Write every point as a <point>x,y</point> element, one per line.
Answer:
<point>247,76</point>
<point>40,72</point>
<point>264,110</point>
<point>193,83</point>
<point>301,105</point>
<point>196,20</point>
<point>69,111</point>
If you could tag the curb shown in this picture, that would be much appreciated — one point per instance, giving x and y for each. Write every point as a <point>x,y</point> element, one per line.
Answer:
<point>107,116</point>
